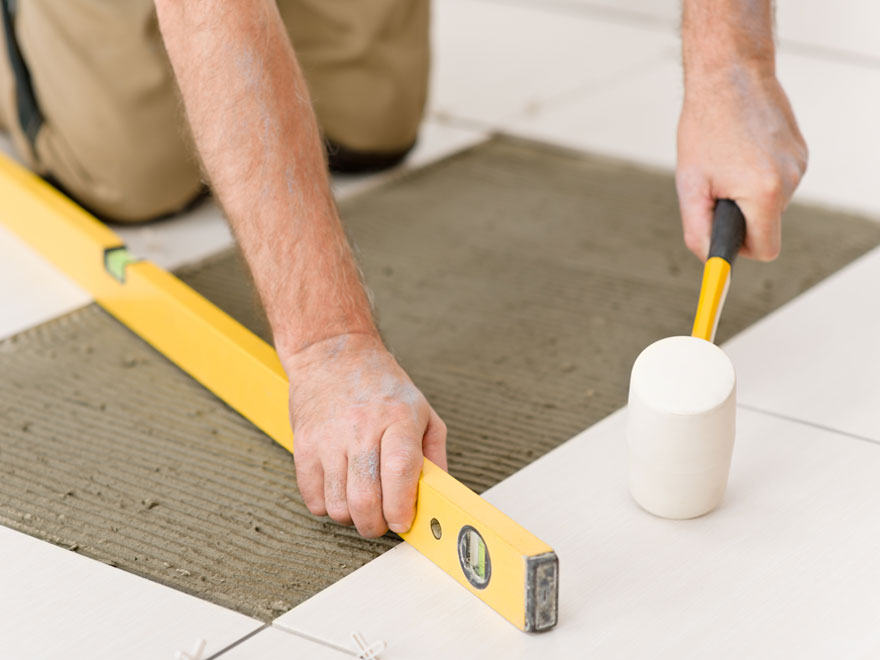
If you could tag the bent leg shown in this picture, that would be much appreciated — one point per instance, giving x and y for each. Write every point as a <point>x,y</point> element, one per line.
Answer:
<point>366,64</point>
<point>113,133</point>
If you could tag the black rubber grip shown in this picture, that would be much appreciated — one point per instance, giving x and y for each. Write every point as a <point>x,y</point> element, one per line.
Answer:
<point>728,231</point>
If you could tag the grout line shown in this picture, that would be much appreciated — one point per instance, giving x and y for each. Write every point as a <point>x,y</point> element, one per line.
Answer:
<point>627,17</point>
<point>805,422</point>
<point>553,102</point>
<point>830,53</point>
<point>602,85</point>
<point>316,640</point>
<point>635,18</point>
<point>453,120</point>
<point>239,641</point>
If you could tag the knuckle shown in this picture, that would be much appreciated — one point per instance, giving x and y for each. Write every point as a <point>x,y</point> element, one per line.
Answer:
<point>315,505</point>
<point>693,241</point>
<point>687,178</point>
<point>363,501</point>
<point>338,511</point>
<point>794,174</point>
<point>356,417</point>
<point>803,155</point>
<point>401,464</point>
<point>363,466</point>
<point>765,250</point>
<point>371,529</point>
<point>769,253</point>
<point>770,185</point>
<point>399,517</point>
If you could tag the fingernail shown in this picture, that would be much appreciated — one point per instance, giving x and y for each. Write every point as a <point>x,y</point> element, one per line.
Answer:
<point>397,528</point>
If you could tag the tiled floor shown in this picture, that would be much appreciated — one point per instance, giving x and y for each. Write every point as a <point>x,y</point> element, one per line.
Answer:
<point>603,75</point>
<point>58,604</point>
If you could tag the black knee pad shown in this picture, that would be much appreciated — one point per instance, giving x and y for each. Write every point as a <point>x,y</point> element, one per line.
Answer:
<point>343,160</point>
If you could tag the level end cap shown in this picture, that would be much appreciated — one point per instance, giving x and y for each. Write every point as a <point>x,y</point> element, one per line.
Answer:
<point>542,592</point>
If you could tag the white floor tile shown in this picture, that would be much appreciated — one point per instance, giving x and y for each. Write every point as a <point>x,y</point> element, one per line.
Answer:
<point>495,61</point>
<point>275,644</point>
<point>847,26</point>
<point>634,119</point>
<point>55,604</point>
<point>31,290</point>
<point>785,568</point>
<point>817,358</point>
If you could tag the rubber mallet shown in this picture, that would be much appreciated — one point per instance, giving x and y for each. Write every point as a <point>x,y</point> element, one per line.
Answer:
<point>682,398</point>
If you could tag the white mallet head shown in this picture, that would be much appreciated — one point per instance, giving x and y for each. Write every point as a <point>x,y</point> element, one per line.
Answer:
<point>681,427</point>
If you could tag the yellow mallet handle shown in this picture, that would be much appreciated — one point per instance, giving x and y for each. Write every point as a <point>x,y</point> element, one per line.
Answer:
<point>728,234</point>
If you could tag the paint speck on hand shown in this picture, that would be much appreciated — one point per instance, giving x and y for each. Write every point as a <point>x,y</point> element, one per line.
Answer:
<point>366,465</point>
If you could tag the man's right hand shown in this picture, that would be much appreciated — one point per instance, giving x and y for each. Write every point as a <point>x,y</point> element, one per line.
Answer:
<point>360,429</point>
<point>737,139</point>
<point>737,136</point>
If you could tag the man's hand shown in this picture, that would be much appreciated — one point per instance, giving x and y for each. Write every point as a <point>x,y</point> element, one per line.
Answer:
<point>360,430</point>
<point>737,135</point>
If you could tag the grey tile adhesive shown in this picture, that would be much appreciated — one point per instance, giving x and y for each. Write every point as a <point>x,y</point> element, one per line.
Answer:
<point>515,282</point>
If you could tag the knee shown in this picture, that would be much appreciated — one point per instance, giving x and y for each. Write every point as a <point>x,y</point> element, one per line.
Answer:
<point>343,160</point>
<point>367,66</point>
<point>125,180</point>
<point>372,122</point>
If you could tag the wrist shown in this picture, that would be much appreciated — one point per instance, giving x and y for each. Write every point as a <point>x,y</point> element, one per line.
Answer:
<point>723,36</point>
<point>322,350</point>
<point>735,80</point>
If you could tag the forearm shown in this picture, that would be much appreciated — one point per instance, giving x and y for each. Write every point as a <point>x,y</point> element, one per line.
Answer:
<point>721,38</point>
<point>254,128</point>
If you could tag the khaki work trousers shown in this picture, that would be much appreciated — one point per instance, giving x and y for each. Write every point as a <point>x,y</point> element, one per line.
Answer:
<point>113,132</point>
